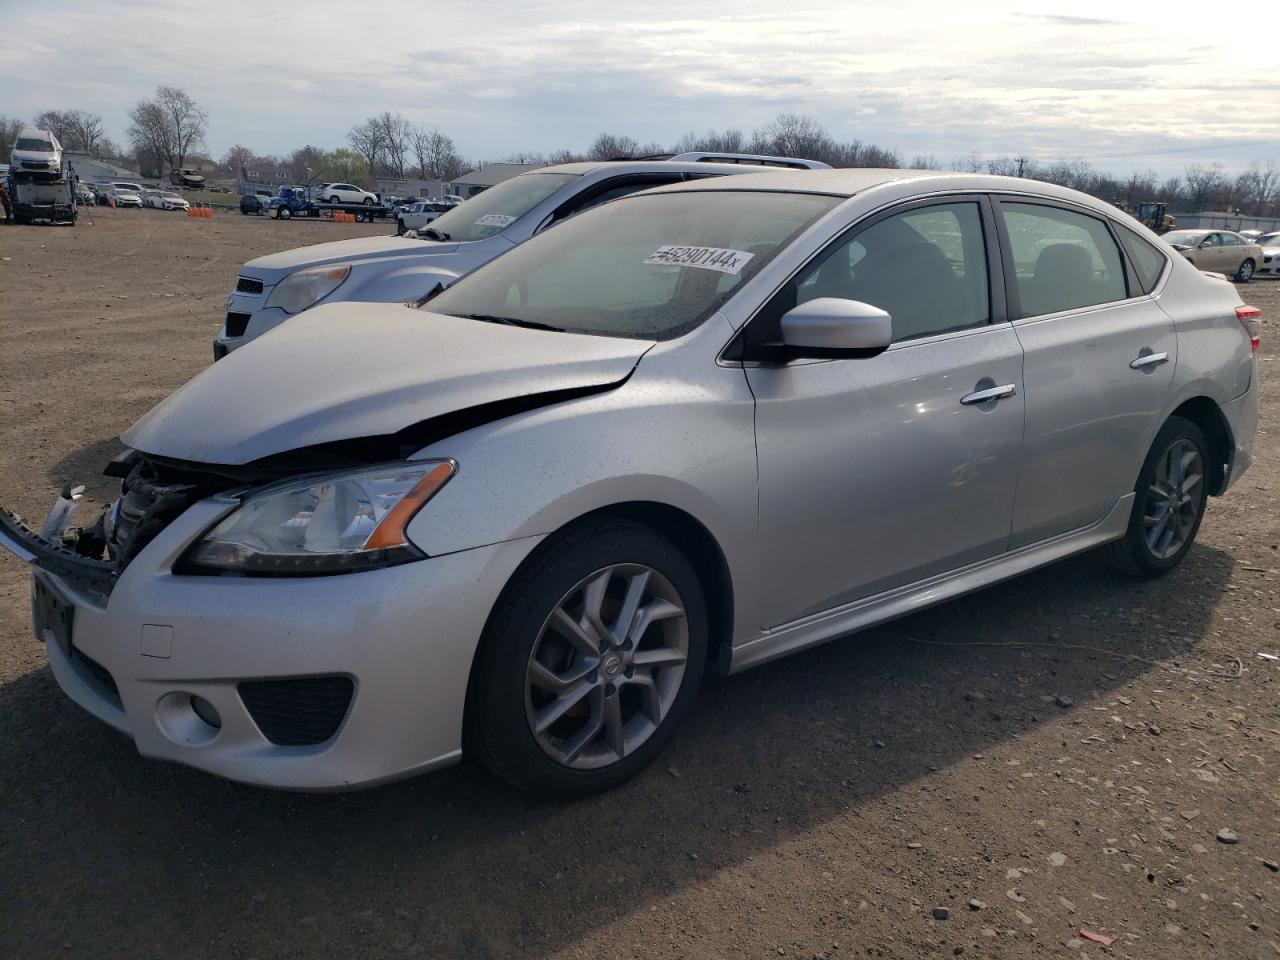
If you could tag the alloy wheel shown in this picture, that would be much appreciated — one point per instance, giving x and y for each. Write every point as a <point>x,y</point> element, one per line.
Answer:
<point>1173,499</point>
<point>606,666</point>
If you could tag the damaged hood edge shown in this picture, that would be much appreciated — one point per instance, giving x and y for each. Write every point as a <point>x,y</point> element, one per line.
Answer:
<point>352,371</point>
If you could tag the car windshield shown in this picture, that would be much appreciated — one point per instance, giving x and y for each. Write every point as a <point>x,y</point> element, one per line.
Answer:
<point>33,143</point>
<point>500,206</point>
<point>1268,239</point>
<point>1185,238</point>
<point>648,267</point>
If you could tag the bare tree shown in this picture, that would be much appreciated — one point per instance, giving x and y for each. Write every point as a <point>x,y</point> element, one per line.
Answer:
<point>168,127</point>
<point>237,158</point>
<point>436,155</point>
<point>713,141</point>
<point>366,139</point>
<point>396,139</point>
<point>56,122</point>
<point>562,156</point>
<point>1205,185</point>
<point>793,135</point>
<point>925,161</point>
<point>9,129</point>
<point>610,146</point>
<point>304,165</point>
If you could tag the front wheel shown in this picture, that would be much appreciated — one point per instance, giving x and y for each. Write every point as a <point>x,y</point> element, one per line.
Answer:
<point>400,228</point>
<point>590,661</point>
<point>1168,505</point>
<point>1245,273</point>
<point>335,199</point>
<point>284,213</point>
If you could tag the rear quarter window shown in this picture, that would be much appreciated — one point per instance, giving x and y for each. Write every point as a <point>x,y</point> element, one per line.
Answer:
<point>1148,262</point>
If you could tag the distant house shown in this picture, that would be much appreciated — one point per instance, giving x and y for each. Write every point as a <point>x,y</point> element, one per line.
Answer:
<point>92,170</point>
<point>479,180</point>
<point>262,178</point>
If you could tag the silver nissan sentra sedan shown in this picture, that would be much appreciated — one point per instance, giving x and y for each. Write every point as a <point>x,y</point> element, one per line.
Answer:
<point>702,426</point>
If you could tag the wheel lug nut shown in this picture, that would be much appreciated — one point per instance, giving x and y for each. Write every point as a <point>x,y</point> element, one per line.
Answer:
<point>626,644</point>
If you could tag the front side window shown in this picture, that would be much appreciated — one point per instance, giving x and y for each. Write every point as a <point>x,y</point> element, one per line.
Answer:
<point>650,267</point>
<point>495,209</point>
<point>927,267</point>
<point>1212,240</point>
<point>1063,260</point>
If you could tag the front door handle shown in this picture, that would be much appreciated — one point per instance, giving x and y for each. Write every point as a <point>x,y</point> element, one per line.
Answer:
<point>991,393</point>
<point>1148,360</point>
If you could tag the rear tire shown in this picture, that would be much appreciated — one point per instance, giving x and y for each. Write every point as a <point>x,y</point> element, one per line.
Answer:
<point>565,699</point>
<point>1245,273</point>
<point>368,201</point>
<point>1169,504</point>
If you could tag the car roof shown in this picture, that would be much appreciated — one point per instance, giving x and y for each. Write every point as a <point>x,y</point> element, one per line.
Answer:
<point>846,182</point>
<point>583,167</point>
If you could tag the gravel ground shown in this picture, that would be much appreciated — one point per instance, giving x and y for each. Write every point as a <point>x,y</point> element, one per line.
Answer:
<point>986,778</point>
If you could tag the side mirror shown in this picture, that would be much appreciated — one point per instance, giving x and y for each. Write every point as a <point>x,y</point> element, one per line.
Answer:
<point>829,328</point>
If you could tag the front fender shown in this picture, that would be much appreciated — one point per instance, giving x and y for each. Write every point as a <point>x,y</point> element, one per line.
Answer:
<point>651,440</point>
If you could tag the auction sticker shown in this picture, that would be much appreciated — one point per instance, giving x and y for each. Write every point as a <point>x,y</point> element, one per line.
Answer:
<point>720,259</point>
<point>495,220</point>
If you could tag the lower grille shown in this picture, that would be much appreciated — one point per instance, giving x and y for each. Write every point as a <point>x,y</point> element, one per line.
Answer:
<point>248,285</point>
<point>237,323</point>
<point>303,711</point>
<point>99,675</point>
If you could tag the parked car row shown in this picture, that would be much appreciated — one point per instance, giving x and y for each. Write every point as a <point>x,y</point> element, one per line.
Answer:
<point>611,448</point>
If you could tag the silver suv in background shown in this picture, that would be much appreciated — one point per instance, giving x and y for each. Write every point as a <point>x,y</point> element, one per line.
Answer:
<point>273,288</point>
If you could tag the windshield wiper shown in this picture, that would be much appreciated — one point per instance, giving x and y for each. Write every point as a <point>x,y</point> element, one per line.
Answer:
<point>431,233</point>
<point>513,322</point>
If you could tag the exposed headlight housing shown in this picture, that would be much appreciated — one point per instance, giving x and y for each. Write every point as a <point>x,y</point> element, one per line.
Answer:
<point>300,290</point>
<point>322,525</point>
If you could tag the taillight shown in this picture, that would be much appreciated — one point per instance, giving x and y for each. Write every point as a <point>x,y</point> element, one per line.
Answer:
<point>1251,319</point>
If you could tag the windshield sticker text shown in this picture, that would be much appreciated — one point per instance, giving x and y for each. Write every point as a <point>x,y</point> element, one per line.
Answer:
<point>719,259</point>
<point>495,220</point>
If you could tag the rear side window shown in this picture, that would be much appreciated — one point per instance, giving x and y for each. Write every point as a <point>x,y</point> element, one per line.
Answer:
<point>1148,262</point>
<point>1063,260</point>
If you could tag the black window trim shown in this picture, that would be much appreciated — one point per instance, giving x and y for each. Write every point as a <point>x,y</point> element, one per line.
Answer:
<point>732,353</point>
<point>1012,295</point>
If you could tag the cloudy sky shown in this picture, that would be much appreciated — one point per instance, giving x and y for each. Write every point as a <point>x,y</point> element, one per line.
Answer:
<point>1124,85</point>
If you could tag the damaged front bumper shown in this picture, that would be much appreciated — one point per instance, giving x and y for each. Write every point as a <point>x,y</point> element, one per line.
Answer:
<point>93,576</point>
<point>238,676</point>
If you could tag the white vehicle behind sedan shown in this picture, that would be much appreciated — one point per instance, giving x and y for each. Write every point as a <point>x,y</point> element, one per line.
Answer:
<point>347,193</point>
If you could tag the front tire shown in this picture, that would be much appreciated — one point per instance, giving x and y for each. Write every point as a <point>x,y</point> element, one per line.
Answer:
<point>590,661</point>
<point>1171,492</point>
<point>400,228</point>
<point>1245,273</point>
<point>335,199</point>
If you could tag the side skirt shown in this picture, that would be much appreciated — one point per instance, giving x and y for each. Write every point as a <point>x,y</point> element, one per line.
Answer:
<point>901,601</point>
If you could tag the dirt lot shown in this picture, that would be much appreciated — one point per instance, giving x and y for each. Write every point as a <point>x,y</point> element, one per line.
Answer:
<point>1055,753</point>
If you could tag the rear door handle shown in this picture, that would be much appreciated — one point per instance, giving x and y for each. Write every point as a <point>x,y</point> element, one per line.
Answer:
<point>1149,360</point>
<point>991,393</point>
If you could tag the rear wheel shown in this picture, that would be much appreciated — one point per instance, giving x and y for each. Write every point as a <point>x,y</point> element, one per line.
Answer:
<point>1169,503</point>
<point>368,201</point>
<point>1245,273</point>
<point>590,661</point>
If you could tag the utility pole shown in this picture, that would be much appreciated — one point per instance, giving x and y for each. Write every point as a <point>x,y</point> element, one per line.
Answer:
<point>1022,162</point>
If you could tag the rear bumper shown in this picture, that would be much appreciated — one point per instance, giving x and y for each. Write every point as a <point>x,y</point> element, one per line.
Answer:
<point>404,636</point>
<point>1241,415</point>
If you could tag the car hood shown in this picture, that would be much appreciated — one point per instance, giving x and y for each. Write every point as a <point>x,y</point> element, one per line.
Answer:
<point>349,371</point>
<point>276,266</point>
<point>17,156</point>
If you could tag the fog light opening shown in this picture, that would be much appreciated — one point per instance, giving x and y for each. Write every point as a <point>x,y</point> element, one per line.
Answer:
<point>188,719</point>
<point>206,712</point>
